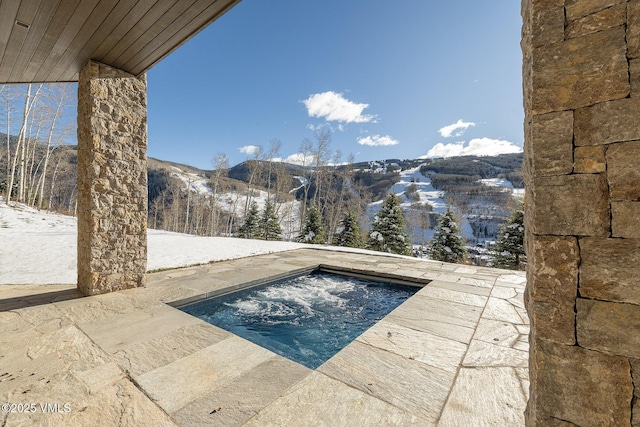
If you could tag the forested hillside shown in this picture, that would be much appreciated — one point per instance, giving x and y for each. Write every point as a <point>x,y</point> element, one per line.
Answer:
<point>53,187</point>
<point>215,202</point>
<point>476,187</point>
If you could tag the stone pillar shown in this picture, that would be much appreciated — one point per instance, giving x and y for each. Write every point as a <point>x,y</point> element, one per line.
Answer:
<point>581,78</point>
<point>112,179</point>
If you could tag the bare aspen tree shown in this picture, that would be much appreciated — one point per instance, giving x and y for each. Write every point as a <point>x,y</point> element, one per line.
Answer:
<point>197,215</point>
<point>29,142</point>
<point>336,203</point>
<point>282,185</point>
<point>30,146</point>
<point>28,106</point>
<point>23,129</point>
<point>220,165</point>
<point>7,100</point>
<point>29,175</point>
<point>53,183</point>
<point>2,87</point>
<point>269,157</point>
<point>234,209</point>
<point>155,207</point>
<point>306,153</point>
<point>60,104</point>
<point>253,166</point>
<point>321,156</point>
<point>175,211</point>
<point>186,221</point>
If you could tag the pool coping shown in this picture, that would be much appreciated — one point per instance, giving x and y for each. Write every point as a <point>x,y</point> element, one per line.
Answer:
<point>326,268</point>
<point>390,281</point>
<point>173,368</point>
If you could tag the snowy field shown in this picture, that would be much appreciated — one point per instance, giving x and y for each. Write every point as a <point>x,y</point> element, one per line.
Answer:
<point>39,247</point>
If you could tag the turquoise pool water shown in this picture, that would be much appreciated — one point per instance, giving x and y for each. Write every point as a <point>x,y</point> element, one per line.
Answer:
<point>307,318</point>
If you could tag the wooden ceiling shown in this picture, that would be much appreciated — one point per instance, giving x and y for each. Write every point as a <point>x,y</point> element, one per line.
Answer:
<point>50,40</point>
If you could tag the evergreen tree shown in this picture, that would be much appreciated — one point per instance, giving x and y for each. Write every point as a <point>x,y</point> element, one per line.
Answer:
<point>349,232</point>
<point>447,244</point>
<point>250,229</point>
<point>509,250</point>
<point>388,229</point>
<point>269,224</point>
<point>312,230</point>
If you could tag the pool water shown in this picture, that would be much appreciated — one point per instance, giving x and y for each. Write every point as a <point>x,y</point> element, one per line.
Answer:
<point>307,318</point>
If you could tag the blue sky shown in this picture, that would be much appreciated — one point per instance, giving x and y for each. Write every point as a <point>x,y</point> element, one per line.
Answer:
<point>388,79</point>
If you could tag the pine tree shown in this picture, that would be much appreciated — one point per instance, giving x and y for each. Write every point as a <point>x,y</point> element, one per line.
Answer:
<point>447,244</point>
<point>312,230</point>
<point>349,232</point>
<point>388,229</point>
<point>269,225</point>
<point>250,229</point>
<point>509,250</point>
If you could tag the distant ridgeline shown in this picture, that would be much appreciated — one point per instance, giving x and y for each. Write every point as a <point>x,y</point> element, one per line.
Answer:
<point>508,166</point>
<point>461,177</point>
<point>484,204</point>
<point>333,188</point>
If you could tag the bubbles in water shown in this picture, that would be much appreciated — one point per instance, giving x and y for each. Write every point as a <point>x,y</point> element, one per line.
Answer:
<point>301,298</point>
<point>308,318</point>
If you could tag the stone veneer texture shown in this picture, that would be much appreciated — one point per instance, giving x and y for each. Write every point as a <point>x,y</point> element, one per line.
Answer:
<point>112,179</point>
<point>582,148</point>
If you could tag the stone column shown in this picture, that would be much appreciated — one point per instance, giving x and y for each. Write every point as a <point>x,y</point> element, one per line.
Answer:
<point>581,78</point>
<point>112,179</point>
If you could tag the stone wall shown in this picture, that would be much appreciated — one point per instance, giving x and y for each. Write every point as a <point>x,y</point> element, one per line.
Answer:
<point>112,179</point>
<point>581,78</point>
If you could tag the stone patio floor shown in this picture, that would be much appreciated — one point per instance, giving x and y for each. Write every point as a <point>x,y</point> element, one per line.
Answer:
<point>454,354</point>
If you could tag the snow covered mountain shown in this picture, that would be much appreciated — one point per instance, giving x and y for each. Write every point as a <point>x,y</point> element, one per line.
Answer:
<point>479,218</point>
<point>480,190</point>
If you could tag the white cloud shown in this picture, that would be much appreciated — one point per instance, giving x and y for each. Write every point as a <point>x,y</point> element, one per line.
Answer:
<point>377,141</point>
<point>460,126</point>
<point>297,159</point>
<point>249,149</point>
<point>320,126</point>
<point>333,106</point>
<point>476,147</point>
<point>445,150</point>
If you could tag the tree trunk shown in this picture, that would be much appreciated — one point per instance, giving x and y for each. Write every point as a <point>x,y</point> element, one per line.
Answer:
<point>49,149</point>
<point>23,129</point>
<point>31,155</point>
<point>53,183</point>
<point>28,105</point>
<point>8,143</point>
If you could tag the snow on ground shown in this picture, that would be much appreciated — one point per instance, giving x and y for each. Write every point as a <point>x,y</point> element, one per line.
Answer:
<point>194,182</point>
<point>435,198</point>
<point>234,202</point>
<point>39,247</point>
<point>288,212</point>
<point>427,194</point>
<point>517,193</point>
<point>497,182</point>
<point>424,189</point>
<point>303,181</point>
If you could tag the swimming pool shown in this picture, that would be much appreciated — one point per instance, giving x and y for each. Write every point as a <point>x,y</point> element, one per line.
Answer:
<point>306,318</point>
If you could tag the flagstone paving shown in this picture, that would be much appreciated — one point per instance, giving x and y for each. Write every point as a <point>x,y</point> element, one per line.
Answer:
<point>453,354</point>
